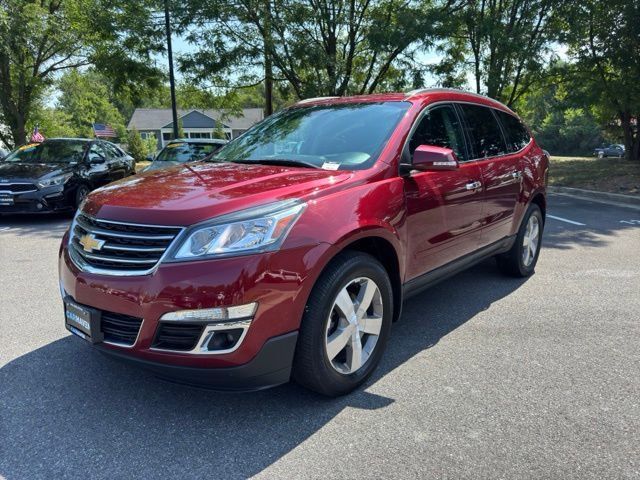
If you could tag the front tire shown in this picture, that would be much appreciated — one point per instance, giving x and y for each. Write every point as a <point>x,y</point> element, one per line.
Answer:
<point>81,193</point>
<point>345,326</point>
<point>521,259</point>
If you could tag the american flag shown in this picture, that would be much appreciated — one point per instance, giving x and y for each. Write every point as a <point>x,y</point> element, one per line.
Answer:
<point>103,130</point>
<point>36,136</point>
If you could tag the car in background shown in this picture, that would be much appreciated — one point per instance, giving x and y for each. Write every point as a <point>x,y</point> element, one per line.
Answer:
<point>613,150</point>
<point>185,150</point>
<point>58,173</point>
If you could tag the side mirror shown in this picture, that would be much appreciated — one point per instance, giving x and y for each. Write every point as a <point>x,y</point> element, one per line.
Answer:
<point>96,160</point>
<point>428,158</point>
<point>150,157</point>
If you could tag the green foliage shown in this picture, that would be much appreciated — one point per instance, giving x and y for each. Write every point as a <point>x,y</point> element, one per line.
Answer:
<point>40,39</point>
<point>85,99</point>
<point>150,145</point>
<point>326,47</point>
<point>136,147</point>
<point>505,45</point>
<point>604,41</point>
<point>559,124</point>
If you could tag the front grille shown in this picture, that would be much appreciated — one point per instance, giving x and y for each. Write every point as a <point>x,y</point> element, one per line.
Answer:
<point>120,329</point>
<point>177,336</point>
<point>18,187</point>
<point>125,247</point>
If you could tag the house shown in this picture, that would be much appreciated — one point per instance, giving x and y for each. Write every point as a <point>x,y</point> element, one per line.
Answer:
<point>195,123</point>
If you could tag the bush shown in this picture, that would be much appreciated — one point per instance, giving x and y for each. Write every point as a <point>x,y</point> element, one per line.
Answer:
<point>136,146</point>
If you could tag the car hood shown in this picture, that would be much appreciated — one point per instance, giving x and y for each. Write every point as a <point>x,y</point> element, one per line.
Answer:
<point>30,171</point>
<point>190,193</point>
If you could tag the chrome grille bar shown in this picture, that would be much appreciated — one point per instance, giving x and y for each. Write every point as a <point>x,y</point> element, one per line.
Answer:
<point>120,248</point>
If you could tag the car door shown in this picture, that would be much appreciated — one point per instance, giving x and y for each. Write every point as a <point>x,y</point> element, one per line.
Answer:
<point>499,167</point>
<point>443,207</point>
<point>98,171</point>
<point>117,166</point>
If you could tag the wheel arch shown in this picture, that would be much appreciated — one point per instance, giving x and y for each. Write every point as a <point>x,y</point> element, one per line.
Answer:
<point>382,249</point>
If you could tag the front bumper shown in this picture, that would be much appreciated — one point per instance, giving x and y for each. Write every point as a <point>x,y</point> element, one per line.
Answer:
<point>270,367</point>
<point>50,199</point>
<point>279,282</point>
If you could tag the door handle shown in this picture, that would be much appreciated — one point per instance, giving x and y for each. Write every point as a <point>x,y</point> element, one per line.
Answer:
<point>473,185</point>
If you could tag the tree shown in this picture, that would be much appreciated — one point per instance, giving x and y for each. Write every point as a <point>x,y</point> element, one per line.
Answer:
<point>604,41</point>
<point>136,147</point>
<point>38,39</point>
<point>505,43</point>
<point>318,47</point>
<point>85,99</point>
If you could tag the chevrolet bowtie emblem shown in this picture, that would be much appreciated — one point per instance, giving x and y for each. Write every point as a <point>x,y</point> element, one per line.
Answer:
<point>90,243</point>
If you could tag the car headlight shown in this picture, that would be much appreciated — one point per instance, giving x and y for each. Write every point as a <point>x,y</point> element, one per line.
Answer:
<point>57,180</point>
<point>250,231</point>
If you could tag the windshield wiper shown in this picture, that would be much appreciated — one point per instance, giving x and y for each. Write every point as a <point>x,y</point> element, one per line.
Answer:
<point>278,161</point>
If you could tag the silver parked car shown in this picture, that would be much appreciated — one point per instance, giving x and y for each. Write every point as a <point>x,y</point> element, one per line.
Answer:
<point>185,150</point>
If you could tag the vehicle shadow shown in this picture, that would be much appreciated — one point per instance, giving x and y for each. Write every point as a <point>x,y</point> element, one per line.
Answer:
<point>67,411</point>
<point>51,225</point>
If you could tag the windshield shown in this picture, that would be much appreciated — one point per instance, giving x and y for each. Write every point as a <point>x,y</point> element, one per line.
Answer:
<point>21,154</point>
<point>186,152</point>
<point>347,136</point>
<point>51,151</point>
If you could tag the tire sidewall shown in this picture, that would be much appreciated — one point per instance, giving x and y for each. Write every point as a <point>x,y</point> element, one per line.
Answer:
<point>531,211</point>
<point>78,199</point>
<point>369,268</point>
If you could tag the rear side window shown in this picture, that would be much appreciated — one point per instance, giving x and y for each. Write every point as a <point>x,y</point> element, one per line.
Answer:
<point>517,135</point>
<point>486,136</point>
<point>439,127</point>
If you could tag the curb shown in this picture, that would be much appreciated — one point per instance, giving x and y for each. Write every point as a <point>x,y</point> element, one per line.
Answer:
<point>617,199</point>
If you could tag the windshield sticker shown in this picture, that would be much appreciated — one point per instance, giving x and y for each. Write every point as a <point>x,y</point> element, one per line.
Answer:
<point>31,146</point>
<point>174,145</point>
<point>330,166</point>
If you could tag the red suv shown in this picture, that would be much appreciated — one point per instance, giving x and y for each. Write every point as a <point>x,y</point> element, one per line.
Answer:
<point>289,253</point>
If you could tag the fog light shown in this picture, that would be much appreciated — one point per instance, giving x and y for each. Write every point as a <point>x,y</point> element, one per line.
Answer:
<point>224,339</point>
<point>219,314</point>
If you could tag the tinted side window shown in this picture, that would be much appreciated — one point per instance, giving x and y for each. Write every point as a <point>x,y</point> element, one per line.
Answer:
<point>439,127</point>
<point>517,135</point>
<point>486,135</point>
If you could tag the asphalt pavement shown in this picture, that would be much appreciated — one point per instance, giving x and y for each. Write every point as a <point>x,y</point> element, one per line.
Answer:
<point>484,377</point>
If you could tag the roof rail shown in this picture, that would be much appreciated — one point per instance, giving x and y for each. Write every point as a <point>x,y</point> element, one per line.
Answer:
<point>315,99</point>
<point>442,89</point>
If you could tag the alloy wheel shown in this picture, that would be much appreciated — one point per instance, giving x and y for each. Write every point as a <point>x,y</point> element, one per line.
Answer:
<point>354,325</point>
<point>531,240</point>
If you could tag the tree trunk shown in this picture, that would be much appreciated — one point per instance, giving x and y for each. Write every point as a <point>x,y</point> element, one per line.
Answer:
<point>18,130</point>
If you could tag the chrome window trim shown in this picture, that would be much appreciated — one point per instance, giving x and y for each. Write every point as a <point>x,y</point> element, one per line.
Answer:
<point>419,118</point>
<point>501,129</point>
<point>424,111</point>
<point>207,333</point>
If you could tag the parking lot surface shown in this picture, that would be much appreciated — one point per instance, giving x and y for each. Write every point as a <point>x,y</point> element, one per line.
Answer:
<point>484,377</point>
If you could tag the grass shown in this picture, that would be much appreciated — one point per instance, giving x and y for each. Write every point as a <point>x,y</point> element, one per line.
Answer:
<point>612,175</point>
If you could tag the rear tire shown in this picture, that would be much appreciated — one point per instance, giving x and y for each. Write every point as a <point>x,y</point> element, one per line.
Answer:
<point>337,351</point>
<point>521,259</point>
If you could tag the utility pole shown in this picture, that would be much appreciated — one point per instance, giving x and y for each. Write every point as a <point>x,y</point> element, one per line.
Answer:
<point>172,82</point>
<point>268,64</point>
